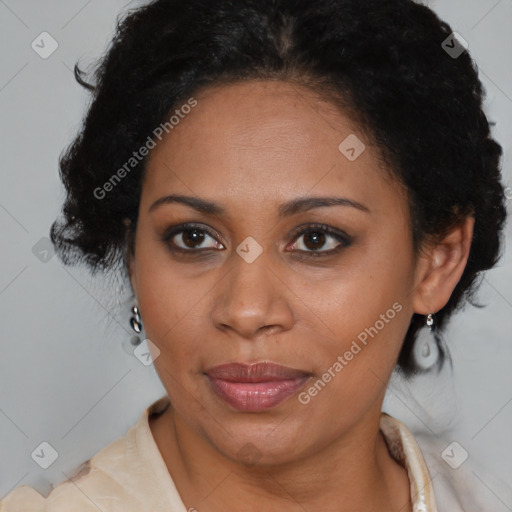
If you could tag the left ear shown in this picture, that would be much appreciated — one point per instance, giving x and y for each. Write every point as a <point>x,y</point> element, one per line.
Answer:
<point>440,267</point>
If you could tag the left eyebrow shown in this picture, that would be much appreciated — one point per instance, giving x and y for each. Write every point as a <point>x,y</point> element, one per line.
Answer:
<point>304,204</point>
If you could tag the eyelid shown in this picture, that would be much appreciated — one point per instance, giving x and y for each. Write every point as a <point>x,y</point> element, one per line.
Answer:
<point>180,228</point>
<point>311,226</point>
<point>341,236</point>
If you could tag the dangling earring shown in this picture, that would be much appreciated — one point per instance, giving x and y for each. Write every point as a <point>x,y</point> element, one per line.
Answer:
<point>426,349</point>
<point>135,320</point>
<point>131,342</point>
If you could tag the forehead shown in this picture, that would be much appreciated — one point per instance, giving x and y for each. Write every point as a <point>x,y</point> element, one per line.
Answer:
<point>263,140</point>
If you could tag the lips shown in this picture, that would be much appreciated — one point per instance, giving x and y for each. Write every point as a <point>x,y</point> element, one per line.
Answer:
<point>258,372</point>
<point>255,387</point>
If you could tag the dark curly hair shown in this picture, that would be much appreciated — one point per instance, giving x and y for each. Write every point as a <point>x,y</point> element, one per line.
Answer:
<point>383,61</point>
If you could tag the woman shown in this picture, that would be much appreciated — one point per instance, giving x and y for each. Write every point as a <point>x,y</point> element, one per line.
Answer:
<point>300,194</point>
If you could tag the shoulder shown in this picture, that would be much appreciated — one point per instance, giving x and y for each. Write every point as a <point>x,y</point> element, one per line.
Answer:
<point>128,475</point>
<point>446,470</point>
<point>23,499</point>
<point>460,479</point>
<point>90,489</point>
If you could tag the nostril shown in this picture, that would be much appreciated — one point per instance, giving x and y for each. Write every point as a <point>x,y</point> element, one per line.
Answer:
<point>269,329</point>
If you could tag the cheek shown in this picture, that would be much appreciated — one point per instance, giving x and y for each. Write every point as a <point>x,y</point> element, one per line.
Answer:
<point>353,296</point>
<point>162,301</point>
<point>354,359</point>
<point>365,330</point>
<point>362,327</point>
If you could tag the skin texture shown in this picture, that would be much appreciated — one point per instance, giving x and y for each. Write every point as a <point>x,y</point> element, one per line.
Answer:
<point>250,147</point>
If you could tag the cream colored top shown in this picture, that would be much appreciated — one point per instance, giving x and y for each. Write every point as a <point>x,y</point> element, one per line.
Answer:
<point>130,475</point>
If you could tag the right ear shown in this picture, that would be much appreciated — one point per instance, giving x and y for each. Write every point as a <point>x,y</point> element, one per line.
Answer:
<point>130,255</point>
<point>132,272</point>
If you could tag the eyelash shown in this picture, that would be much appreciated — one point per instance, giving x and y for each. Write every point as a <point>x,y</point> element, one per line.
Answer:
<point>344,239</point>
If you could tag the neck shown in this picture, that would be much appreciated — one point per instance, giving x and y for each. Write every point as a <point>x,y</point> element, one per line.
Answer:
<point>355,472</point>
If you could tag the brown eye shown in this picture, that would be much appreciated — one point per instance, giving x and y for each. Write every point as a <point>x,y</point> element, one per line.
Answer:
<point>314,240</point>
<point>318,237</point>
<point>191,238</point>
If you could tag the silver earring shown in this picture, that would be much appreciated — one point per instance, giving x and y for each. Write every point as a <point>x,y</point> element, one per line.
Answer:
<point>426,349</point>
<point>135,320</point>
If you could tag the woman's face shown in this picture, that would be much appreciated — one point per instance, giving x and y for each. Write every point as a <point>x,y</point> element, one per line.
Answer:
<point>247,286</point>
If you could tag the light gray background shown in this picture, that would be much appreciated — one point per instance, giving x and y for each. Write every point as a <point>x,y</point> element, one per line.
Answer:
<point>65,374</point>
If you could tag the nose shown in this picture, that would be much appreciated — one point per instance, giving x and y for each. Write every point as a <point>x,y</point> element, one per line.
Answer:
<point>252,299</point>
